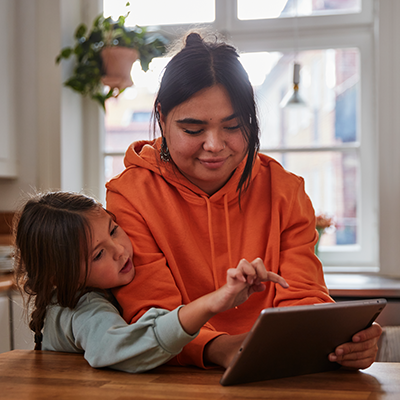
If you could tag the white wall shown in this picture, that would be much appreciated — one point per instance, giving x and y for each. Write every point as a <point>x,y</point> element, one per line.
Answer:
<point>8,151</point>
<point>48,118</point>
<point>388,146</point>
<point>24,109</point>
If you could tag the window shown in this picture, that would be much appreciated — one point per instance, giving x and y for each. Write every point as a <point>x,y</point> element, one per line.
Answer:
<point>260,9</point>
<point>329,141</point>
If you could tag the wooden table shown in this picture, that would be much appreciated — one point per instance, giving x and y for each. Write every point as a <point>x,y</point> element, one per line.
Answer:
<point>28,374</point>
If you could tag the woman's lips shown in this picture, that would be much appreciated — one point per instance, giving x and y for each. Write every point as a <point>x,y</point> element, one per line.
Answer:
<point>127,267</point>
<point>213,163</point>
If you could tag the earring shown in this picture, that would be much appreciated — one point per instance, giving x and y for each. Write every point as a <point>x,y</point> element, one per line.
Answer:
<point>164,151</point>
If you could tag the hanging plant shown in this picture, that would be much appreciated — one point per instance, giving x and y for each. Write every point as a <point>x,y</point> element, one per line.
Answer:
<point>102,47</point>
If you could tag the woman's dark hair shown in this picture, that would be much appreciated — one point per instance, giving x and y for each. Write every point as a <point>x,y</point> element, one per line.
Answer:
<point>204,63</point>
<point>51,235</point>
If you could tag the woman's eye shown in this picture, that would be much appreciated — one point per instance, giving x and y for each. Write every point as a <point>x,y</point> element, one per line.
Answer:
<point>98,256</point>
<point>190,132</point>
<point>233,128</point>
<point>114,230</point>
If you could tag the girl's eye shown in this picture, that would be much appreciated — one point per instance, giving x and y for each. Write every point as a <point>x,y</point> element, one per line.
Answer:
<point>114,230</point>
<point>98,256</point>
<point>192,132</point>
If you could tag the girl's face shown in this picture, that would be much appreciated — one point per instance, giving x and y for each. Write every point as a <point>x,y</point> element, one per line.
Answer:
<point>110,253</point>
<point>204,138</point>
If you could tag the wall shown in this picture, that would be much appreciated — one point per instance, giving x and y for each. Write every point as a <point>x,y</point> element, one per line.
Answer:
<point>388,144</point>
<point>24,109</point>
<point>48,118</point>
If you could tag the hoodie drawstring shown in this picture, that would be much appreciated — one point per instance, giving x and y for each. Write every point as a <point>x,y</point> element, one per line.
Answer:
<point>210,233</point>
<point>228,230</point>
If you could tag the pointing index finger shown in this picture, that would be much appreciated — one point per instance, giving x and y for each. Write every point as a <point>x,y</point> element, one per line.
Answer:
<point>264,275</point>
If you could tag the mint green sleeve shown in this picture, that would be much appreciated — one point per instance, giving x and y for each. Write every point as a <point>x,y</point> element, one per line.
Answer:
<point>96,328</point>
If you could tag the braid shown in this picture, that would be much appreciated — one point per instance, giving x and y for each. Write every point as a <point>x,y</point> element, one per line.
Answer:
<point>36,324</point>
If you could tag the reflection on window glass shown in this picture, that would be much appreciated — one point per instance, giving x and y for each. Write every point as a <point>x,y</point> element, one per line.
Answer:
<point>156,12</point>
<point>113,165</point>
<point>259,65</point>
<point>331,180</point>
<point>329,85</point>
<point>128,116</point>
<point>262,9</point>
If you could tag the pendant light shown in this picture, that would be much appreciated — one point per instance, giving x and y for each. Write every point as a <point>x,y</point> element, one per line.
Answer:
<point>293,99</point>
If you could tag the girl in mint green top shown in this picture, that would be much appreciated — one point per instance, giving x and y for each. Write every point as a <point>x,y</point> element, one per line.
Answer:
<point>69,252</point>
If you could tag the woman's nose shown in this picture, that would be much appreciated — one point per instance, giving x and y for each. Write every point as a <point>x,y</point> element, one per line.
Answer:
<point>214,142</point>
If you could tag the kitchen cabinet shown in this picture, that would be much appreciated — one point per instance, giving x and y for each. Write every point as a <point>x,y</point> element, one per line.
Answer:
<point>22,335</point>
<point>4,324</point>
<point>14,330</point>
<point>8,158</point>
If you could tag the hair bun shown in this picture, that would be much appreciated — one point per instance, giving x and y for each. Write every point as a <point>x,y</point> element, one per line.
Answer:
<point>193,39</point>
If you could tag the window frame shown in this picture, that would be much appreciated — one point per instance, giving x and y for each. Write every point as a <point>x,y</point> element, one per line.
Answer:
<point>314,33</point>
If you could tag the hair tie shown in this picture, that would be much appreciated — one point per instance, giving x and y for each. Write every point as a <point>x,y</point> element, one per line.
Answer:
<point>38,337</point>
<point>38,341</point>
<point>193,39</point>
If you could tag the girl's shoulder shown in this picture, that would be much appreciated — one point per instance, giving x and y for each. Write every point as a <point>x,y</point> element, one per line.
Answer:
<point>93,298</point>
<point>88,300</point>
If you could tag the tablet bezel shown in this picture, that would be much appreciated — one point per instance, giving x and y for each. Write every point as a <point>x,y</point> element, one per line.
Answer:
<point>301,340</point>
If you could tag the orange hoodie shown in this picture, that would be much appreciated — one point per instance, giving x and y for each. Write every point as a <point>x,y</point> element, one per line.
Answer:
<point>185,240</point>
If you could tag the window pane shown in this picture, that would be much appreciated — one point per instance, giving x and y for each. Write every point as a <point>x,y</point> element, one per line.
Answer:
<point>157,12</point>
<point>128,117</point>
<point>262,9</point>
<point>329,86</point>
<point>331,180</point>
<point>113,165</point>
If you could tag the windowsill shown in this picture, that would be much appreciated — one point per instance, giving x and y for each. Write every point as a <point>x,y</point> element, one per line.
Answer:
<point>361,285</point>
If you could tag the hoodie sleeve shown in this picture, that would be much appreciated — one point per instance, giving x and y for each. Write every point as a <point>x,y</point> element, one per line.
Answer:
<point>96,328</point>
<point>298,263</point>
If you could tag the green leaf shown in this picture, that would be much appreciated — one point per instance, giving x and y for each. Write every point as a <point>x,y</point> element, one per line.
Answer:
<point>98,21</point>
<point>65,53</point>
<point>80,31</point>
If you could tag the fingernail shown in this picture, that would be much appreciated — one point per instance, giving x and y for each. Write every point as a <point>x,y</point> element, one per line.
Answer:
<point>356,339</point>
<point>332,357</point>
<point>339,352</point>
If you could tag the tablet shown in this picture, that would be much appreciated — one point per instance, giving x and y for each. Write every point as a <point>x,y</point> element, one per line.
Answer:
<point>289,341</point>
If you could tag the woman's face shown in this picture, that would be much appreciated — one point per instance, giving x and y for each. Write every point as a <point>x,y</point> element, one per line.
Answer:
<point>204,138</point>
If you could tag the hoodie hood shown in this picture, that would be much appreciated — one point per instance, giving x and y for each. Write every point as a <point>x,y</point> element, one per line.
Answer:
<point>145,154</point>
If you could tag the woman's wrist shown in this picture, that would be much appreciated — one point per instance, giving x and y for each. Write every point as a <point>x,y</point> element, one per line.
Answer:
<point>222,349</point>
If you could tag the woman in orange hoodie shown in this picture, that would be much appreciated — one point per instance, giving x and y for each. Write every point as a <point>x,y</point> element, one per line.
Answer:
<point>200,198</point>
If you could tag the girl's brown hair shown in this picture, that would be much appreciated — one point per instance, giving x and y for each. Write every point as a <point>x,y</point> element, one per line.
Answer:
<point>51,235</point>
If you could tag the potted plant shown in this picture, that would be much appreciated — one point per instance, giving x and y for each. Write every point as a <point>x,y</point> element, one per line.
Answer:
<point>322,222</point>
<point>105,54</point>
